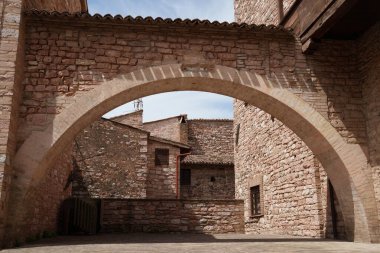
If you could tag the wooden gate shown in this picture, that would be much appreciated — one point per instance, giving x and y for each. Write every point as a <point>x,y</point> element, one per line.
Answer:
<point>80,216</point>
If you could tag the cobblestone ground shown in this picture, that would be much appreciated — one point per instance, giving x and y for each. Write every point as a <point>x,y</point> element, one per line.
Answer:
<point>190,243</point>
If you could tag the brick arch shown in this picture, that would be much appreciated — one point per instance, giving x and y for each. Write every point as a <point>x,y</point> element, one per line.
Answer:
<point>344,163</point>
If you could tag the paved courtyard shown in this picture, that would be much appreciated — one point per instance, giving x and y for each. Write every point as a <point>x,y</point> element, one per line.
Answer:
<point>190,243</point>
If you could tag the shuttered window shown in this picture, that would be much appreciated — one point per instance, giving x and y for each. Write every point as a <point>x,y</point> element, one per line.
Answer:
<point>255,200</point>
<point>161,156</point>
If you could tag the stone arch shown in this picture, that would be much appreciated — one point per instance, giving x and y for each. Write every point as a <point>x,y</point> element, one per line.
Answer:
<point>344,163</point>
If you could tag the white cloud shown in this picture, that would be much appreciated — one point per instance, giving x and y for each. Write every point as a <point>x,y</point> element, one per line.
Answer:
<point>194,104</point>
<point>221,10</point>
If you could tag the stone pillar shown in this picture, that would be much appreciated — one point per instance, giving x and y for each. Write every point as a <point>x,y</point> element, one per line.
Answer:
<point>11,70</point>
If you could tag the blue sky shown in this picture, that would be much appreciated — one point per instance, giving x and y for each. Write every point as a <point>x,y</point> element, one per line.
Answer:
<point>195,104</point>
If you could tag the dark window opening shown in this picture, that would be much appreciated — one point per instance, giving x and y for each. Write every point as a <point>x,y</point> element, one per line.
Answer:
<point>255,200</point>
<point>161,156</point>
<point>212,179</point>
<point>237,133</point>
<point>185,177</point>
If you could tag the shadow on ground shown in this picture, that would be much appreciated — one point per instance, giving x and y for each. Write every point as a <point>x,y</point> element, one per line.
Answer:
<point>136,238</point>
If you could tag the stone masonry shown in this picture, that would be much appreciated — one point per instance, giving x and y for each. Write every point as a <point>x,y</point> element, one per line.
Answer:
<point>211,161</point>
<point>77,67</point>
<point>194,216</point>
<point>116,158</point>
<point>272,159</point>
<point>111,161</point>
<point>294,185</point>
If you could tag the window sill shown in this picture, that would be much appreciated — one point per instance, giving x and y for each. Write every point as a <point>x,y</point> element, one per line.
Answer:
<point>256,216</point>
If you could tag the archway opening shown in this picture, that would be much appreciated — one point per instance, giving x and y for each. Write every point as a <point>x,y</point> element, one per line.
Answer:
<point>321,138</point>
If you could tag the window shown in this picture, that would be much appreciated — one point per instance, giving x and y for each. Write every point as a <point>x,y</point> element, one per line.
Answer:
<point>185,177</point>
<point>237,133</point>
<point>161,156</point>
<point>255,200</point>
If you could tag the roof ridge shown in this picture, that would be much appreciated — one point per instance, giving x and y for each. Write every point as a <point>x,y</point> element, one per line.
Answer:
<point>157,20</point>
<point>202,119</point>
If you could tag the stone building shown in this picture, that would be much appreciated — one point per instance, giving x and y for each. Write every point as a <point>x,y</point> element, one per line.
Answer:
<point>313,67</point>
<point>284,186</point>
<point>164,159</point>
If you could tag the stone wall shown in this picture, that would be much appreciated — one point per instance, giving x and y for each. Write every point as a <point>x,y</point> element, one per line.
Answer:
<point>161,180</point>
<point>111,161</point>
<point>209,182</point>
<point>134,119</point>
<point>259,11</point>
<point>212,139</point>
<point>68,58</point>
<point>293,183</point>
<point>169,128</point>
<point>269,150</point>
<point>369,64</point>
<point>57,5</point>
<point>11,76</point>
<point>192,216</point>
<point>44,200</point>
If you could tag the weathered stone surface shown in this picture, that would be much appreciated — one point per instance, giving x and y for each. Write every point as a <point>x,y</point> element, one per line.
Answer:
<point>331,81</point>
<point>186,216</point>
<point>111,161</point>
<point>295,195</point>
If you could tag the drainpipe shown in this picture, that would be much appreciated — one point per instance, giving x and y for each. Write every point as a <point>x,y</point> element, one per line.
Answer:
<point>177,173</point>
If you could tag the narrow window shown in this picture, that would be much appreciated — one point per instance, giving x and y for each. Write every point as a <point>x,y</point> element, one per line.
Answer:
<point>185,177</point>
<point>237,133</point>
<point>255,200</point>
<point>161,156</point>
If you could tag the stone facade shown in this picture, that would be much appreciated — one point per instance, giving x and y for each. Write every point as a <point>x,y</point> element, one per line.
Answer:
<point>270,150</point>
<point>45,199</point>
<point>11,61</point>
<point>369,62</point>
<point>71,61</point>
<point>134,119</point>
<point>161,180</point>
<point>209,181</point>
<point>294,189</point>
<point>260,11</point>
<point>111,161</point>
<point>173,128</point>
<point>57,5</point>
<point>194,216</point>
<point>116,159</point>
<point>210,162</point>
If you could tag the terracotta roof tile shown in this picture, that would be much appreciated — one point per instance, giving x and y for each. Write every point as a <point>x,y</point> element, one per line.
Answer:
<point>154,21</point>
<point>205,159</point>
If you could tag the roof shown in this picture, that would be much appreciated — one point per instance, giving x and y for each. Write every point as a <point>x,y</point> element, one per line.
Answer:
<point>170,142</point>
<point>207,120</point>
<point>125,114</point>
<point>169,118</point>
<point>154,21</point>
<point>209,160</point>
<point>125,125</point>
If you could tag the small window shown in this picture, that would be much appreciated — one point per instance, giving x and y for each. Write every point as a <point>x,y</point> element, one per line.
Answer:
<point>161,156</point>
<point>212,179</point>
<point>185,177</point>
<point>237,133</point>
<point>255,200</point>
